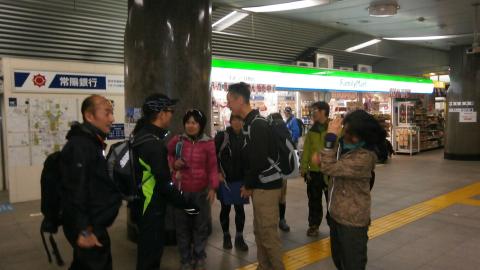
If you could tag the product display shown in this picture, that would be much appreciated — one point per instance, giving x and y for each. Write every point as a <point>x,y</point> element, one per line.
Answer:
<point>407,140</point>
<point>416,130</point>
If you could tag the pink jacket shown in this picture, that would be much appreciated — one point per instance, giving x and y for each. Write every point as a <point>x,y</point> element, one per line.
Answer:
<point>201,169</point>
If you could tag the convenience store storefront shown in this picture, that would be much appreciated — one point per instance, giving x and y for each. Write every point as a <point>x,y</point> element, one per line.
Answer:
<point>276,86</point>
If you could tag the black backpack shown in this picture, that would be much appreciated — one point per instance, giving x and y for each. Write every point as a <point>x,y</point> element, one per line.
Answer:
<point>121,167</point>
<point>285,164</point>
<point>51,205</point>
<point>301,126</point>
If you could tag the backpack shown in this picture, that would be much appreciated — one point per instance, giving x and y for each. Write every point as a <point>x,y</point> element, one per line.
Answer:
<point>285,164</point>
<point>224,146</point>
<point>301,126</point>
<point>51,206</point>
<point>121,167</point>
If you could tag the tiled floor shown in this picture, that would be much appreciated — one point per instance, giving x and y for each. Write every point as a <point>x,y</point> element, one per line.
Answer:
<point>447,239</point>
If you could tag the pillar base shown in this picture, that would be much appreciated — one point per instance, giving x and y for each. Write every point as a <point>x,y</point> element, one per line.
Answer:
<point>462,157</point>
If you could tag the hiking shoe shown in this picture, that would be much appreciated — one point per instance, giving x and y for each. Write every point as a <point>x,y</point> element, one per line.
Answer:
<point>312,231</point>
<point>227,242</point>
<point>240,244</point>
<point>200,265</point>
<point>283,225</point>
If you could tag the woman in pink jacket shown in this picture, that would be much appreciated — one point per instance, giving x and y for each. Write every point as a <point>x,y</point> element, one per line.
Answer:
<point>193,158</point>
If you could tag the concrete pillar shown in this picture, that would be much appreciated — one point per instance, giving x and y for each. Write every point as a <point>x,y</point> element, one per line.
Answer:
<point>463,138</point>
<point>168,50</point>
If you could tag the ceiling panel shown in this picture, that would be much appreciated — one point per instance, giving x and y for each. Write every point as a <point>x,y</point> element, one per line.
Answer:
<point>440,17</point>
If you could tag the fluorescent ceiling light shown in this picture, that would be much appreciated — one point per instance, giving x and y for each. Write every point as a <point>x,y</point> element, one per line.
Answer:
<point>288,6</point>
<point>363,45</point>
<point>229,20</point>
<point>427,37</point>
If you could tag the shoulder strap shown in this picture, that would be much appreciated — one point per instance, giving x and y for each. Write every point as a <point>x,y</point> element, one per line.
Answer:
<point>226,141</point>
<point>258,117</point>
<point>179,148</point>
<point>134,142</point>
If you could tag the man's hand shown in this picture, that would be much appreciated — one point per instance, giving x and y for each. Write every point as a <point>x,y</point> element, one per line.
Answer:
<point>245,192</point>
<point>179,164</point>
<point>211,196</point>
<point>88,241</point>
<point>316,159</point>
<point>221,177</point>
<point>335,126</point>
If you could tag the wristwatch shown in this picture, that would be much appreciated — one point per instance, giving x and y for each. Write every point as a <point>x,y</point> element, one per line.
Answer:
<point>85,233</point>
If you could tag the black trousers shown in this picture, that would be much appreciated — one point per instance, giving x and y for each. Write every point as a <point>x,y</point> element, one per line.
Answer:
<point>151,237</point>
<point>239,217</point>
<point>349,246</point>
<point>316,187</point>
<point>97,258</point>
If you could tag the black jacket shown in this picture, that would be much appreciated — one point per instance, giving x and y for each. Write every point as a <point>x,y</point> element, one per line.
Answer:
<point>258,148</point>
<point>154,153</point>
<point>89,196</point>
<point>230,159</point>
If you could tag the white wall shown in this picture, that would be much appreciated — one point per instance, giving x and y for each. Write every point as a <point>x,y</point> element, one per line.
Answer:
<point>24,181</point>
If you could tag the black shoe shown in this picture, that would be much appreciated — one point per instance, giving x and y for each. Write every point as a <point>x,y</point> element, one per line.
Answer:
<point>240,244</point>
<point>283,225</point>
<point>227,242</point>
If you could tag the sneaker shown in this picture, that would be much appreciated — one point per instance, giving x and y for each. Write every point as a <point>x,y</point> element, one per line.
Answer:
<point>200,265</point>
<point>312,231</point>
<point>227,242</point>
<point>283,225</point>
<point>240,244</point>
<point>186,266</point>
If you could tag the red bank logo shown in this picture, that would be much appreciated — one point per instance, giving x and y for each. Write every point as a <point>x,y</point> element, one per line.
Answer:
<point>39,80</point>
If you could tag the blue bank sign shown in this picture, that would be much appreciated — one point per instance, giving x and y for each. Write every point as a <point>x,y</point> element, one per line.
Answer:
<point>41,81</point>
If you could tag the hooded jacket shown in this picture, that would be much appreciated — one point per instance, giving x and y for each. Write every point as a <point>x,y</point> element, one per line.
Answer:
<point>153,170</point>
<point>349,188</point>
<point>199,155</point>
<point>230,159</point>
<point>258,148</point>
<point>89,197</point>
<point>314,142</point>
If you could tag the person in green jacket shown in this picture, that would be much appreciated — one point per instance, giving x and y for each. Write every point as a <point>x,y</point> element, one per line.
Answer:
<point>316,181</point>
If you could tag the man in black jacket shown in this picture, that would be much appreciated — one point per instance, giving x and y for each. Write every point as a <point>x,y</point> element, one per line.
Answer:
<point>154,173</point>
<point>90,199</point>
<point>265,193</point>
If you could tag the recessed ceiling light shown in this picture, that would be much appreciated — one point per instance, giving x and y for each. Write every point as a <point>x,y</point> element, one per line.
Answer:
<point>381,9</point>
<point>363,45</point>
<point>288,6</point>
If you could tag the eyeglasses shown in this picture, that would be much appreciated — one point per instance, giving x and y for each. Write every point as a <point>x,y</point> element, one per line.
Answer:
<point>171,110</point>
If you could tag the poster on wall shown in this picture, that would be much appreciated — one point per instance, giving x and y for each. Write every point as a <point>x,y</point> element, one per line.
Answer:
<point>468,117</point>
<point>47,81</point>
<point>37,127</point>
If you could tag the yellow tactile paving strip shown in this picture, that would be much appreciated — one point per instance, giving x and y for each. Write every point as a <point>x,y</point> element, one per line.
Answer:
<point>317,251</point>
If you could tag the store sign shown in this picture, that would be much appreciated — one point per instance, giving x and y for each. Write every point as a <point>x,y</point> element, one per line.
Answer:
<point>461,106</point>
<point>468,117</point>
<point>117,132</point>
<point>42,81</point>
<point>400,93</point>
<point>291,78</point>
<point>223,86</point>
